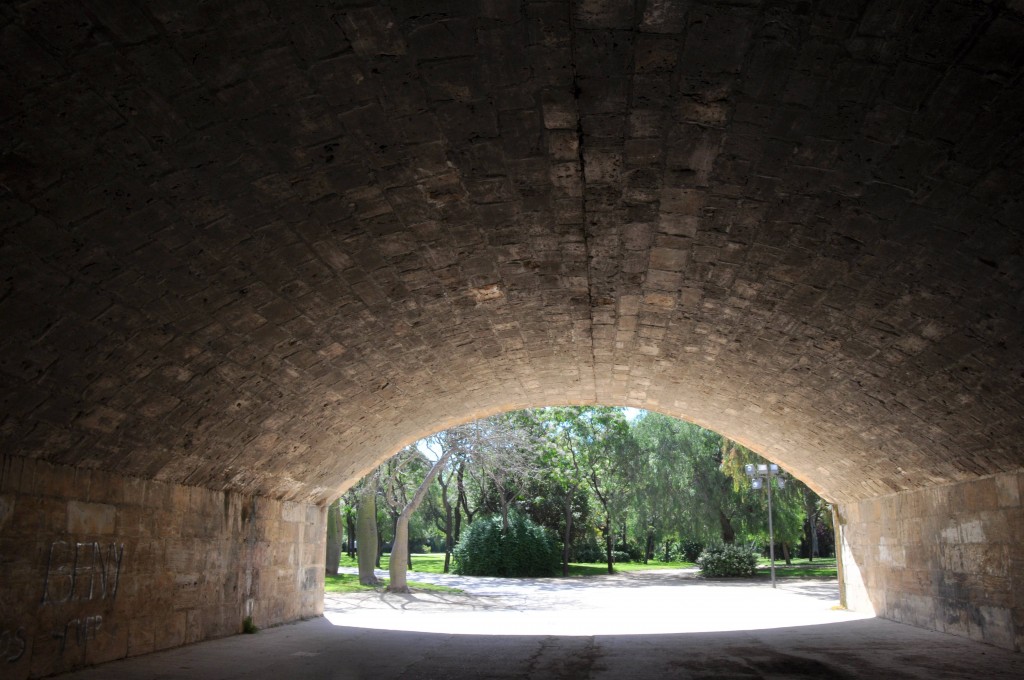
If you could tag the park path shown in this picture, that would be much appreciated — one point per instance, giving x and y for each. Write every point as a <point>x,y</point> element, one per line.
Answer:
<point>656,601</point>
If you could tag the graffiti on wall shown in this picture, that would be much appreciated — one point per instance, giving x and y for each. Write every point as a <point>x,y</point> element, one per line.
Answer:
<point>79,632</point>
<point>12,644</point>
<point>82,572</point>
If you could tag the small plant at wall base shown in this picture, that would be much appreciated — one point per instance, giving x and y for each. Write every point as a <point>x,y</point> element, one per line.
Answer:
<point>727,560</point>
<point>248,626</point>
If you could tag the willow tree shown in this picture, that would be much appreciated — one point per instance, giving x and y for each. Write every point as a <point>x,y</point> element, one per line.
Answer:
<point>700,499</point>
<point>788,507</point>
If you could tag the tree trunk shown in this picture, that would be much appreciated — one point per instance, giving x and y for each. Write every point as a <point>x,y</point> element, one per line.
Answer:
<point>567,544</point>
<point>608,540</point>
<point>463,496</point>
<point>785,552</point>
<point>668,550</point>
<point>366,532</point>
<point>504,513</point>
<point>649,550</point>
<point>457,531</point>
<point>447,535</point>
<point>350,525</point>
<point>728,533</point>
<point>460,492</point>
<point>400,549</point>
<point>333,538</point>
<point>446,527</point>
<point>810,507</point>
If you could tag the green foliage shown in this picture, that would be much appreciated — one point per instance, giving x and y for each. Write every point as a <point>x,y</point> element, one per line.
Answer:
<point>585,473</point>
<point>633,552</point>
<point>685,488</point>
<point>727,560</point>
<point>248,627</point>
<point>690,550</point>
<point>525,550</point>
<point>687,550</point>
<point>620,556</point>
<point>588,551</point>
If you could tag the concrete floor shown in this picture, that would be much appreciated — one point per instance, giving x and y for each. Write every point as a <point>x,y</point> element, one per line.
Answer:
<point>615,627</point>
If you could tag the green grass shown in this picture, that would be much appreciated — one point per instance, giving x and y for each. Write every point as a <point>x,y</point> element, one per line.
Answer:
<point>349,583</point>
<point>592,569</point>
<point>821,567</point>
<point>430,563</point>
<point>433,563</point>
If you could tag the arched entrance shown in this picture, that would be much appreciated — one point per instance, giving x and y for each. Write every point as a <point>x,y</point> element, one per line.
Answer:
<point>251,250</point>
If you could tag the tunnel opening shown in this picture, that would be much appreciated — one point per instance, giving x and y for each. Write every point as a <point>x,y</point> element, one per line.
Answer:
<point>247,248</point>
<point>600,462</point>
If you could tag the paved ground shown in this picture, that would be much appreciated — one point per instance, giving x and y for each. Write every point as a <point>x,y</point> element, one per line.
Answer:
<point>668,624</point>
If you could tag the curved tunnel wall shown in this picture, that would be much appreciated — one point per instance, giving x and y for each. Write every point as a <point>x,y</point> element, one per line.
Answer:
<point>253,249</point>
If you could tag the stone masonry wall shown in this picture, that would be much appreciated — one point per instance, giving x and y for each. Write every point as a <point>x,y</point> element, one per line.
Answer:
<point>949,558</point>
<point>98,566</point>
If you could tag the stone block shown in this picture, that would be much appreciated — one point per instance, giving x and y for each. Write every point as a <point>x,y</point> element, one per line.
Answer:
<point>1008,490</point>
<point>141,635</point>
<point>90,519</point>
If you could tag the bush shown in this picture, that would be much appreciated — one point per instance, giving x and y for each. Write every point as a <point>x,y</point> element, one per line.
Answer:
<point>635,553</point>
<point>588,551</point>
<point>690,550</point>
<point>621,556</point>
<point>526,550</point>
<point>727,560</point>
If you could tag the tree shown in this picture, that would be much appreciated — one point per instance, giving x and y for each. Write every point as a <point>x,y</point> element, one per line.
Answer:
<point>502,451</point>
<point>561,460</point>
<point>400,548</point>
<point>366,530</point>
<point>603,458</point>
<point>348,511</point>
<point>448,517</point>
<point>787,505</point>
<point>699,496</point>
<point>333,537</point>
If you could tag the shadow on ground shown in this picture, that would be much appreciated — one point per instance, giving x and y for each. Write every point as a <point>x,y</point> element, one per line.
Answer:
<point>866,649</point>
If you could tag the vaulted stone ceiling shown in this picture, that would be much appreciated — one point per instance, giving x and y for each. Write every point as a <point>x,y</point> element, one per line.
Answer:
<point>261,245</point>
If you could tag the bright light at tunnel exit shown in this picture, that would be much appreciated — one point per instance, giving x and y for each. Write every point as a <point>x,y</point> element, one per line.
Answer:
<point>652,603</point>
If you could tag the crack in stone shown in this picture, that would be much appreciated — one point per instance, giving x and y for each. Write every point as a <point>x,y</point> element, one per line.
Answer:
<point>580,159</point>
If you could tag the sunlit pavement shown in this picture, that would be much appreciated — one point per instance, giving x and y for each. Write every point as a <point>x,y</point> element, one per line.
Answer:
<point>663,625</point>
<point>656,602</point>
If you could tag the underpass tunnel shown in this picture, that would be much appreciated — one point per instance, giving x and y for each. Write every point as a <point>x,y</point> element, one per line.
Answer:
<point>249,251</point>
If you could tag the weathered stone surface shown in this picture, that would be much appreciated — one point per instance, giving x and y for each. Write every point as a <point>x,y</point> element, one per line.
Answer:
<point>947,558</point>
<point>157,568</point>
<point>281,225</point>
<point>258,248</point>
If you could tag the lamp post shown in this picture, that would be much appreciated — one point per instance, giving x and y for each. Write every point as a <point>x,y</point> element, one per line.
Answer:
<point>760,475</point>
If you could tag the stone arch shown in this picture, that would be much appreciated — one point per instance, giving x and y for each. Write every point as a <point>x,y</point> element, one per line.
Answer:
<point>249,249</point>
